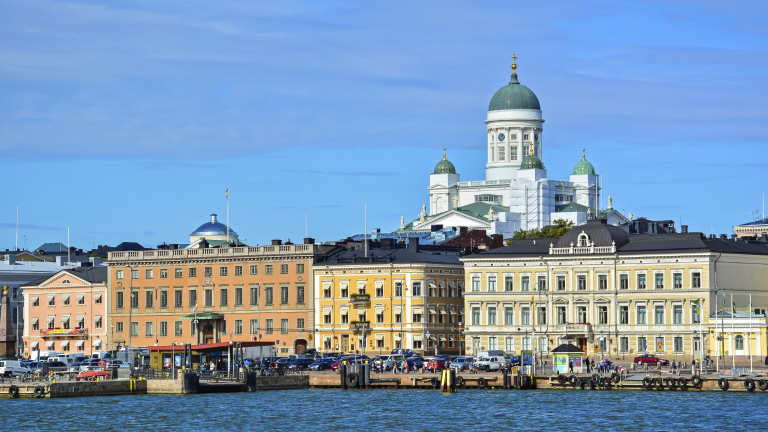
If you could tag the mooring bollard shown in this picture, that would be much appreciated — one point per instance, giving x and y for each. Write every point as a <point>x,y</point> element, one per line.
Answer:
<point>453,380</point>
<point>343,375</point>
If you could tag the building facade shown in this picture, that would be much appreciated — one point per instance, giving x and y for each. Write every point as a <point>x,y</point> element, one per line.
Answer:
<point>395,296</point>
<point>212,295</point>
<point>610,293</point>
<point>66,312</point>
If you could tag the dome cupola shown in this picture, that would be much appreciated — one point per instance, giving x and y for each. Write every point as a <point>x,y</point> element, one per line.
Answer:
<point>444,166</point>
<point>584,167</point>
<point>213,230</point>
<point>531,161</point>
<point>514,96</point>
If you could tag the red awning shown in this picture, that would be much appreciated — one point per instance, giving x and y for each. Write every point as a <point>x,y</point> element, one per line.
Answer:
<point>209,346</point>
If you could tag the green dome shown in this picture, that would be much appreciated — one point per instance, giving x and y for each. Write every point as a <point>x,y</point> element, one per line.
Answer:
<point>514,96</point>
<point>444,166</point>
<point>584,167</point>
<point>531,161</point>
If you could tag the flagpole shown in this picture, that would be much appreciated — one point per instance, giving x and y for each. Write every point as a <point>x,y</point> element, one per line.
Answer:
<point>701,332</point>
<point>733,333</point>
<point>227,214</point>
<point>749,341</point>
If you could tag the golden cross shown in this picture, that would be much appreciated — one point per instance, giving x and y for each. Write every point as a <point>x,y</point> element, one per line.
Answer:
<point>584,155</point>
<point>514,66</point>
<point>443,153</point>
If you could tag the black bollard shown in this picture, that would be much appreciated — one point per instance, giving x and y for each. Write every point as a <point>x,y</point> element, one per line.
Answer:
<point>453,380</point>
<point>343,375</point>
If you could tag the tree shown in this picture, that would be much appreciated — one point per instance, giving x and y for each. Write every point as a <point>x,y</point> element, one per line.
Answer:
<point>560,227</point>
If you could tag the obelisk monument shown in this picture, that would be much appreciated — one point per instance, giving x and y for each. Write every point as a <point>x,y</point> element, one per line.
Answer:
<point>7,338</point>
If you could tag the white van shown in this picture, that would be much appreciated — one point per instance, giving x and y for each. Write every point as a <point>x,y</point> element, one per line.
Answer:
<point>69,361</point>
<point>490,353</point>
<point>12,368</point>
<point>42,355</point>
<point>490,364</point>
<point>393,360</point>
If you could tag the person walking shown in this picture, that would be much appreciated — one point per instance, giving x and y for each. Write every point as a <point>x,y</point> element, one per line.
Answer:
<point>570,366</point>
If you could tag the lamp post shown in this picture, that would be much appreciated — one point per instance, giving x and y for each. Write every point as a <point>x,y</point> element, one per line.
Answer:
<point>130,312</point>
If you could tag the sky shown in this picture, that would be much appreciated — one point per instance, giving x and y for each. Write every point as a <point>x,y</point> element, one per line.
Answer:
<point>126,121</point>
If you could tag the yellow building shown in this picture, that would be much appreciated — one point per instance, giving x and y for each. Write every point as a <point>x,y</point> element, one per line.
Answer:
<point>611,293</point>
<point>399,296</point>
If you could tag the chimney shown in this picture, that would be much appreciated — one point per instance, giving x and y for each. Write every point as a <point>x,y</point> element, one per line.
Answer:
<point>309,240</point>
<point>95,261</point>
<point>413,244</point>
<point>60,260</point>
<point>375,233</point>
<point>463,230</point>
<point>683,229</point>
<point>10,259</point>
<point>724,236</point>
<point>387,244</point>
<point>734,236</point>
<point>277,242</point>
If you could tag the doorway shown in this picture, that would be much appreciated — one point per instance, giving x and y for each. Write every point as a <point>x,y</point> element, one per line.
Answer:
<point>208,334</point>
<point>300,346</point>
<point>344,343</point>
<point>582,344</point>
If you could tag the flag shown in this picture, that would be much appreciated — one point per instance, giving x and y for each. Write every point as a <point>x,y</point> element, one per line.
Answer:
<point>227,192</point>
<point>733,307</point>
<point>698,306</point>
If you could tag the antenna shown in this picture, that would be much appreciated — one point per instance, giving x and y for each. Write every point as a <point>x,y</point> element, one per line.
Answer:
<point>365,233</point>
<point>69,251</point>
<point>17,227</point>
<point>306,227</point>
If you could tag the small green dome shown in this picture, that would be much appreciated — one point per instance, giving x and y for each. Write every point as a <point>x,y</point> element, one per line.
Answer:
<point>444,166</point>
<point>584,167</point>
<point>531,161</point>
<point>514,96</point>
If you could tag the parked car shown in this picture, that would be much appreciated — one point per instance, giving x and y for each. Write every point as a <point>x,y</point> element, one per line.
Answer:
<point>490,364</point>
<point>54,366</point>
<point>90,365</point>
<point>76,367</point>
<point>12,368</point>
<point>650,359</point>
<point>514,360</point>
<point>461,363</point>
<point>437,364</point>
<point>414,362</point>
<point>393,361</point>
<point>379,359</point>
<point>350,360</point>
<point>322,364</point>
<point>300,363</point>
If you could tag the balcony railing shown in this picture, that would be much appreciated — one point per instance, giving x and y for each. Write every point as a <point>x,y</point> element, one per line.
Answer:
<point>360,325</point>
<point>174,254</point>
<point>578,328</point>
<point>592,249</point>
<point>360,299</point>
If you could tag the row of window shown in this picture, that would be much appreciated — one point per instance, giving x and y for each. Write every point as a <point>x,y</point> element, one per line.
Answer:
<point>151,297</point>
<point>561,315</point>
<point>602,344</point>
<point>66,300</point>
<point>582,282</point>
<point>438,317</point>
<point>438,289</point>
<point>255,329</point>
<point>208,271</point>
<point>65,323</point>
<point>66,346</point>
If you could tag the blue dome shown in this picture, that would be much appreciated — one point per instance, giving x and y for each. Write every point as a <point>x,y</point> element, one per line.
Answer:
<point>213,228</point>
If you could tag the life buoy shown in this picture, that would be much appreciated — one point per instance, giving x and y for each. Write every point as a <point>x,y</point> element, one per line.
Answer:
<point>595,378</point>
<point>435,383</point>
<point>352,380</point>
<point>615,377</point>
<point>659,384</point>
<point>13,391</point>
<point>696,381</point>
<point>561,379</point>
<point>481,383</point>
<point>39,391</point>
<point>682,382</point>
<point>671,383</point>
<point>592,385</point>
<point>102,364</point>
<point>723,383</point>
<point>647,382</point>
<point>573,380</point>
<point>749,384</point>
<point>762,385</point>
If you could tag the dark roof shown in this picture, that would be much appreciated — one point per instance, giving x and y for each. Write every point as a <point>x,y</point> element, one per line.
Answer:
<point>597,232</point>
<point>52,248</point>
<point>524,247</point>
<point>395,256</point>
<point>567,348</point>
<point>88,274</point>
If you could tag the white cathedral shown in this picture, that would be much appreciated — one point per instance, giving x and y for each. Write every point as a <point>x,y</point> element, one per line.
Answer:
<point>516,193</point>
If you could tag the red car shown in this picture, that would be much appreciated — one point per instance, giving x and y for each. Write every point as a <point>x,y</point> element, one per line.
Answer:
<point>350,360</point>
<point>650,359</point>
<point>436,364</point>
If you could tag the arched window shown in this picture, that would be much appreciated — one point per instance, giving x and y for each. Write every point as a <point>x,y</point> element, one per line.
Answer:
<point>583,240</point>
<point>66,282</point>
<point>739,342</point>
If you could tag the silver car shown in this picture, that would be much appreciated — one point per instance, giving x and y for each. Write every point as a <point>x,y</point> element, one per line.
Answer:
<point>462,363</point>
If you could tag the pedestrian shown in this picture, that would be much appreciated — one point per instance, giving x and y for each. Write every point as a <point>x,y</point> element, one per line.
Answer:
<point>570,366</point>
<point>593,364</point>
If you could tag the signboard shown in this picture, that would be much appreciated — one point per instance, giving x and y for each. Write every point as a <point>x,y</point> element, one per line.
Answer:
<point>561,363</point>
<point>527,357</point>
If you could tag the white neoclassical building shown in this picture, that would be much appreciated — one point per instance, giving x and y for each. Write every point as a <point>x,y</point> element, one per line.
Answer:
<point>517,192</point>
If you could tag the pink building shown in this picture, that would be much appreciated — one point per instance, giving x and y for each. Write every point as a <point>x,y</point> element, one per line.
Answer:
<point>66,312</point>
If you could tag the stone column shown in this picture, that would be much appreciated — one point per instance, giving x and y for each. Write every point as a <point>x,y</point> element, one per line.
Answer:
<point>7,338</point>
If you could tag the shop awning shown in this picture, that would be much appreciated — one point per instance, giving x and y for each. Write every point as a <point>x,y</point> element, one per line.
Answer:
<point>379,284</point>
<point>65,318</point>
<point>442,337</point>
<point>64,298</point>
<point>361,284</point>
<point>65,344</point>
<point>452,337</point>
<point>397,336</point>
<point>97,297</point>
<point>80,343</point>
<point>398,309</point>
<point>418,310</point>
<point>417,337</point>
<point>97,342</point>
<point>379,337</point>
<point>443,312</point>
<point>51,318</point>
<point>461,310</point>
<point>80,297</point>
<point>97,318</point>
<point>35,299</point>
<point>432,310</point>
<point>35,320</point>
<point>205,316</point>
<point>379,309</point>
<point>49,344</point>
<point>50,297</point>
<point>34,344</point>
<point>432,285</point>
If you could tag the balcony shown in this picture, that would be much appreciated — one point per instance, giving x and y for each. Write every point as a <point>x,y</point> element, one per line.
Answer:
<point>578,328</point>
<point>64,332</point>
<point>360,325</point>
<point>360,299</point>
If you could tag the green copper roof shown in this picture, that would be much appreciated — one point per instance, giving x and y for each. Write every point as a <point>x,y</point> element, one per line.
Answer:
<point>514,96</point>
<point>531,161</point>
<point>444,166</point>
<point>584,167</point>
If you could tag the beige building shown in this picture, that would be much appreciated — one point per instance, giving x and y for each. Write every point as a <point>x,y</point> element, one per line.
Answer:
<point>399,296</point>
<point>612,293</point>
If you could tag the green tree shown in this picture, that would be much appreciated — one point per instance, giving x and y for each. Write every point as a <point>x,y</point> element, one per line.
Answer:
<point>560,227</point>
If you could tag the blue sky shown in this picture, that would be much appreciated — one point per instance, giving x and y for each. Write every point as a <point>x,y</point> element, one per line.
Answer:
<point>127,120</point>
